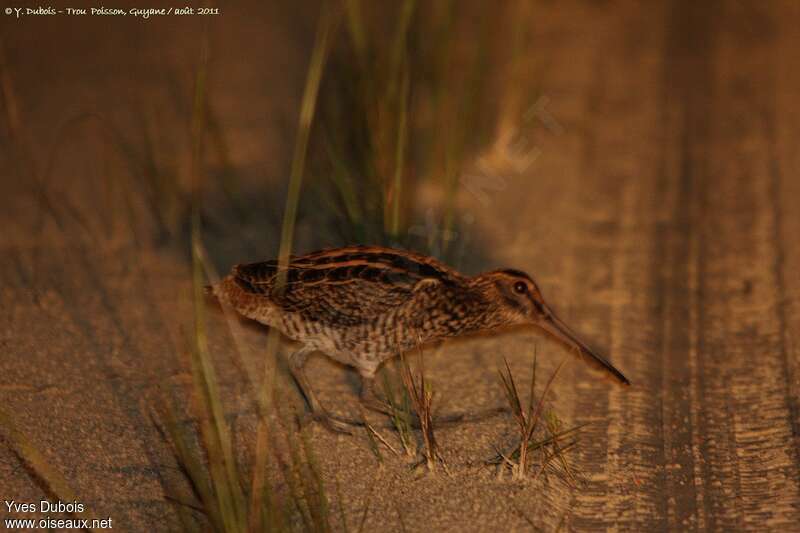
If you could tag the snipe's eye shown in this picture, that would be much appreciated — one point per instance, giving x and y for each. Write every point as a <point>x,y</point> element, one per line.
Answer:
<point>520,287</point>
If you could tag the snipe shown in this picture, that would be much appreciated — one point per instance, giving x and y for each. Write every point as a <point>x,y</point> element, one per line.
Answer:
<point>362,305</point>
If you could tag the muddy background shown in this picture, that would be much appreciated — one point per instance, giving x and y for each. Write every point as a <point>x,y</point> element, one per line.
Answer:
<point>659,218</point>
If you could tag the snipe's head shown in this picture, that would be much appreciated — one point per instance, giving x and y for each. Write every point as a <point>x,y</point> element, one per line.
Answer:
<point>519,302</point>
<point>516,295</point>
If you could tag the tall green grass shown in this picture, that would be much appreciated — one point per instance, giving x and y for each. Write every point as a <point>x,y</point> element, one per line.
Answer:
<point>413,94</point>
<point>232,497</point>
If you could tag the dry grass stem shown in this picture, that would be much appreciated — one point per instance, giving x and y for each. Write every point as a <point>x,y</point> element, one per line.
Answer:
<point>400,411</point>
<point>422,401</point>
<point>528,418</point>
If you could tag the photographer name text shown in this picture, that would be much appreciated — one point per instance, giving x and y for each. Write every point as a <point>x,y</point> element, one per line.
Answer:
<point>48,522</point>
<point>143,13</point>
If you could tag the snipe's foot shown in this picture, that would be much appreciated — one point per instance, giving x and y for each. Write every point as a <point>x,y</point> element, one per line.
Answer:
<point>371,399</point>
<point>413,419</point>
<point>454,418</point>
<point>378,405</point>
<point>331,423</point>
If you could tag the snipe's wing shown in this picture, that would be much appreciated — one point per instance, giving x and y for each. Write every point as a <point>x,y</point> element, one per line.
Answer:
<point>346,286</point>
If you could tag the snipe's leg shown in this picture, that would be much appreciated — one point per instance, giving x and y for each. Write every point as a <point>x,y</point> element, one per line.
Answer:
<point>297,361</point>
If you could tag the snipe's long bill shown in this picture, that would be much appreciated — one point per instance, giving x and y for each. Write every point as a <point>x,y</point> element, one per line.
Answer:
<point>362,305</point>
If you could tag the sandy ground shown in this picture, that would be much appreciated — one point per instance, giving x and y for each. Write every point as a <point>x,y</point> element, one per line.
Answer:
<point>660,220</point>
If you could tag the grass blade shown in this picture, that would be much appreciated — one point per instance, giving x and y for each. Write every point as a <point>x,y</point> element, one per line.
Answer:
<point>307,109</point>
<point>539,407</point>
<point>532,396</point>
<point>400,154</point>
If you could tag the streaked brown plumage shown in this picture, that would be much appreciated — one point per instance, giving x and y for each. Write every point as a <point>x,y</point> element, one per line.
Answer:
<point>362,305</point>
